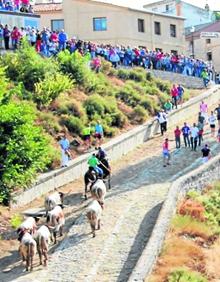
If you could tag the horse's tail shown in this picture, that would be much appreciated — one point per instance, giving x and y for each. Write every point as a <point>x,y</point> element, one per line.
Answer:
<point>99,193</point>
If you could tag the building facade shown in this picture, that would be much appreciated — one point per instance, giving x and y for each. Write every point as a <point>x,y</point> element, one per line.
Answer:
<point>204,44</point>
<point>111,24</point>
<point>194,15</point>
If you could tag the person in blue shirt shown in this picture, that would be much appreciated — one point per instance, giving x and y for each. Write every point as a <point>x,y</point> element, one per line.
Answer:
<point>186,131</point>
<point>65,145</point>
<point>99,133</point>
<point>62,38</point>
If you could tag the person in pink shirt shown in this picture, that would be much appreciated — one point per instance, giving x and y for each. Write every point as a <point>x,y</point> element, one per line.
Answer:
<point>166,153</point>
<point>15,37</point>
<point>204,110</point>
<point>174,95</point>
<point>54,37</point>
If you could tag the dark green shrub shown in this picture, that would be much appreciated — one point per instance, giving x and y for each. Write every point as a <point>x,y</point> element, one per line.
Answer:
<point>139,114</point>
<point>129,96</point>
<point>136,75</point>
<point>118,119</point>
<point>123,74</point>
<point>94,105</point>
<point>49,123</point>
<point>73,124</point>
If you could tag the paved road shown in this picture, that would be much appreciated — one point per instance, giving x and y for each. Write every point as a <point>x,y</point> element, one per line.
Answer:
<point>132,207</point>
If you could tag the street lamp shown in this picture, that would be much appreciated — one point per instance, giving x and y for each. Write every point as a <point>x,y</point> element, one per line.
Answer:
<point>192,30</point>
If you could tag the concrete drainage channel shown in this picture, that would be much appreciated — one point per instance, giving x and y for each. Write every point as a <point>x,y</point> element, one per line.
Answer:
<point>116,148</point>
<point>196,180</point>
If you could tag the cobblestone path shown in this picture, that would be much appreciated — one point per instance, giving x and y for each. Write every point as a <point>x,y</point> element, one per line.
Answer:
<point>132,207</point>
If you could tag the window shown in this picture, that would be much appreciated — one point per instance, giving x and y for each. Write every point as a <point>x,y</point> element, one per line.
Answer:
<point>209,56</point>
<point>140,25</point>
<point>99,24</point>
<point>157,28</point>
<point>167,8</point>
<point>57,25</point>
<point>208,41</point>
<point>173,30</point>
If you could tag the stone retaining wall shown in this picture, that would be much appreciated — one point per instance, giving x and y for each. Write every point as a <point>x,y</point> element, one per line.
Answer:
<point>196,179</point>
<point>187,81</point>
<point>115,148</point>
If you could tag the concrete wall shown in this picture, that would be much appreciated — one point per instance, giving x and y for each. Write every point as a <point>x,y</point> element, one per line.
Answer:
<point>116,148</point>
<point>187,81</point>
<point>196,180</point>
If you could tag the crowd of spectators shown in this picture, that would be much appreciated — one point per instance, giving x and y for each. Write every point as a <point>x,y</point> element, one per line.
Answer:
<point>16,6</point>
<point>49,43</point>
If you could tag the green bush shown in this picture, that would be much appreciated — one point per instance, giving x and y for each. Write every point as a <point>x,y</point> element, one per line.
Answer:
<point>16,221</point>
<point>50,87</point>
<point>78,68</point>
<point>27,66</point>
<point>94,105</point>
<point>139,114</point>
<point>118,119</point>
<point>73,124</point>
<point>184,275</point>
<point>49,123</point>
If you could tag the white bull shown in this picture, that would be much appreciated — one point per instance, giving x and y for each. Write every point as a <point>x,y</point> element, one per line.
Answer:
<point>93,213</point>
<point>98,191</point>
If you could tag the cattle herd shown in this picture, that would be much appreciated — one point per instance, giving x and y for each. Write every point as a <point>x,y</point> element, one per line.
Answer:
<point>33,239</point>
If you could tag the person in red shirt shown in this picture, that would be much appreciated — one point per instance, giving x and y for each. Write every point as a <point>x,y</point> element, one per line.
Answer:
<point>174,94</point>
<point>166,153</point>
<point>177,133</point>
<point>15,37</point>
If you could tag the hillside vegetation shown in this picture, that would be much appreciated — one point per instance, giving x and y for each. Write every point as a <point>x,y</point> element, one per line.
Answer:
<point>40,97</point>
<point>192,248</point>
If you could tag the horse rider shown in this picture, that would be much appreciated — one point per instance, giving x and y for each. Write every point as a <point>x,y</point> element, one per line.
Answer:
<point>93,162</point>
<point>101,154</point>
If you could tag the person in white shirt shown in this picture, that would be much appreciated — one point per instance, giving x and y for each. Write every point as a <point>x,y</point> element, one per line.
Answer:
<point>162,119</point>
<point>194,133</point>
<point>212,119</point>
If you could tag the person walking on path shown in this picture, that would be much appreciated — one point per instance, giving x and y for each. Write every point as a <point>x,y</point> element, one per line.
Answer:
<point>174,95</point>
<point>168,106</point>
<point>205,77</point>
<point>217,111</point>
<point>177,133</point>
<point>162,119</point>
<point>205,153</point>
<point>180,90</point>
<point>65,154</point>
<point>186,131</point>
<point>212,120</point>
<point>166,153</point>
<point>99,133</point>
<point>204,110</point>
<point>194,132</point>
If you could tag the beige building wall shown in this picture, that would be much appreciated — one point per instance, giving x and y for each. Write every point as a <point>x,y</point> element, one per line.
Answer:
<point>204,48</point>
<point>122,25</point>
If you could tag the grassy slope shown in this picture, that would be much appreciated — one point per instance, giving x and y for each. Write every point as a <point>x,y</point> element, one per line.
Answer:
<point>192,245</point>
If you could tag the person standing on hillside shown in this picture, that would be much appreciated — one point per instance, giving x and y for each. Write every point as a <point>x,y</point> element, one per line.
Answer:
<point>186,131</point>
<point>174,95</point>
<point>65,145</point>
<point>168,106</point>
<point>205,77</point>
<point>212,120</point>
<point>86,135</point>
<point>180,90</point>
<point>99,133</point>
